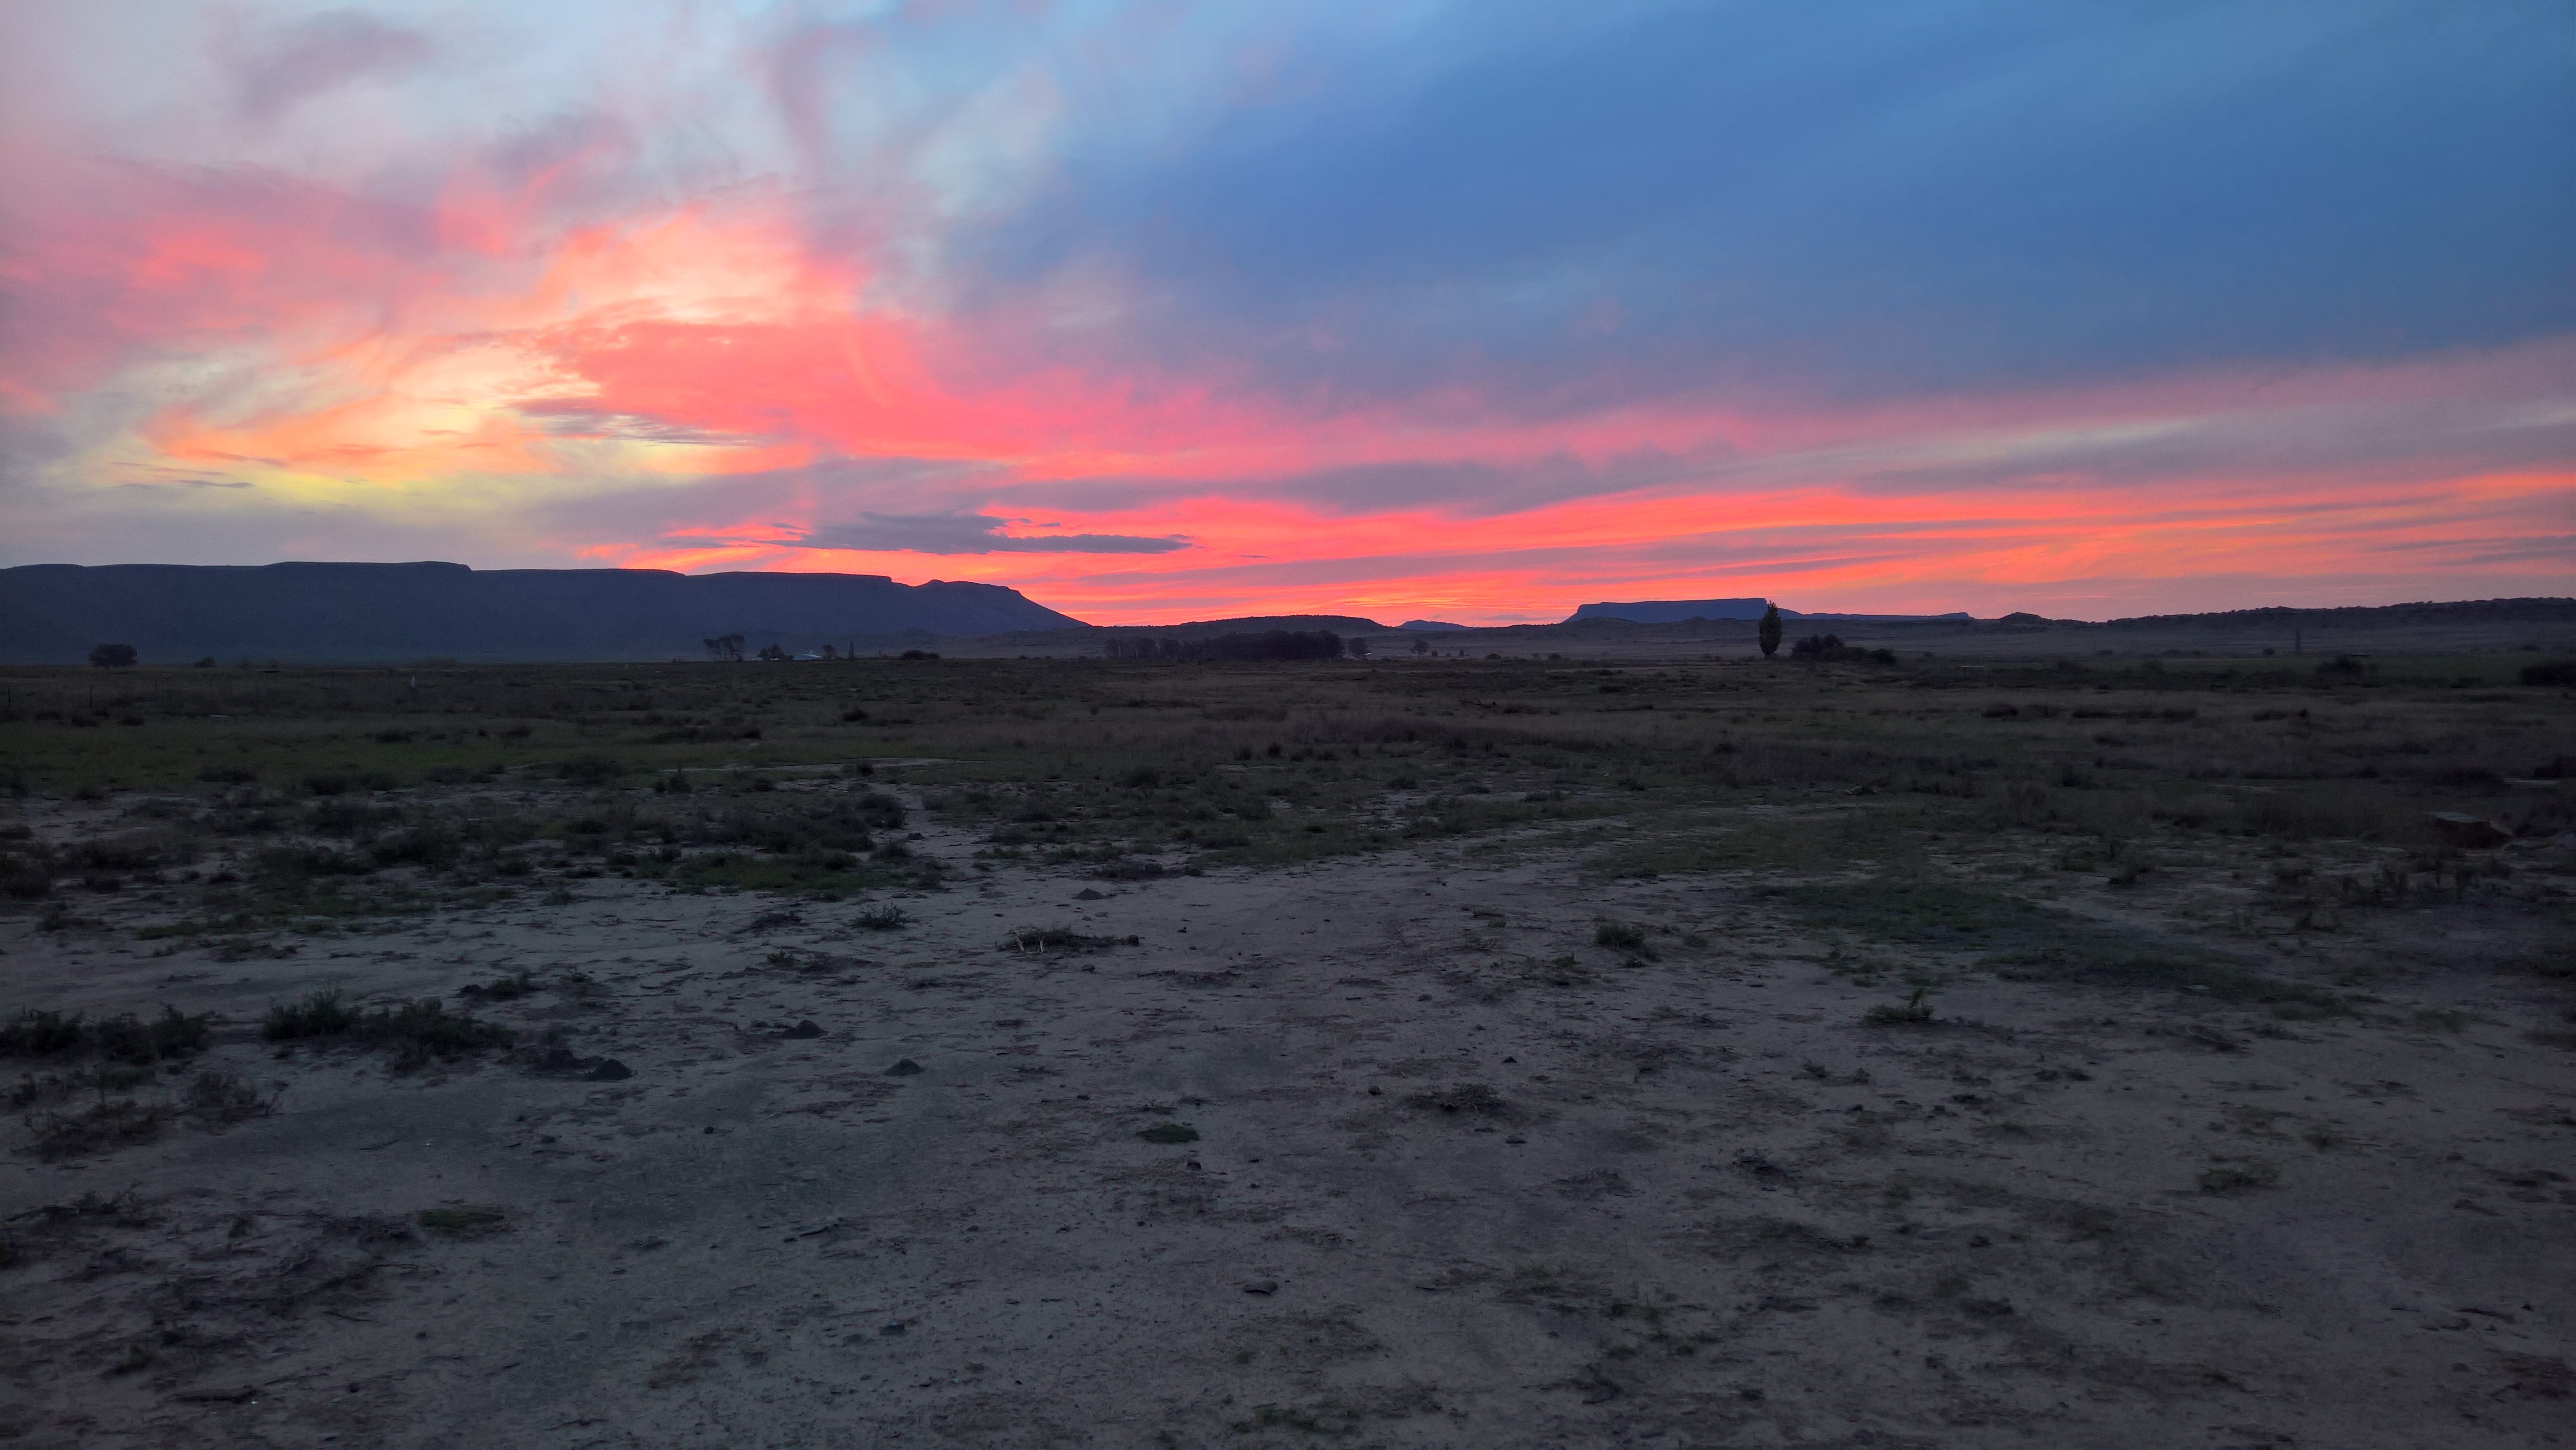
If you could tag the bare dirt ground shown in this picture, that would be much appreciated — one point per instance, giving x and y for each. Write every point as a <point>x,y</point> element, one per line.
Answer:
<point>1459,1145</point>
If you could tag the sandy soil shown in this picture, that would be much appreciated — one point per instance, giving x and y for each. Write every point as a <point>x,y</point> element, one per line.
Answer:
<point>1462,1177</point>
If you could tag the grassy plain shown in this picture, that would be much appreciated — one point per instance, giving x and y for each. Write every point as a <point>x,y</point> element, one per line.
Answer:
<point>1793,990</point>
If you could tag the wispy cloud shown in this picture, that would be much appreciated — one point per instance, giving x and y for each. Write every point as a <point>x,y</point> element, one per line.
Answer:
<point>277,67</point>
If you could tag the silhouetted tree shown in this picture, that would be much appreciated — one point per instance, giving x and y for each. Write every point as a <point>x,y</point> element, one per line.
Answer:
<point>111,656</point>
<point>1770,631</point>
<point>1358,647</point>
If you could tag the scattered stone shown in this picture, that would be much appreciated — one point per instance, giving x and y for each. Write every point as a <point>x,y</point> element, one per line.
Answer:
<point>905,1068</point>
<point>803,1030</point>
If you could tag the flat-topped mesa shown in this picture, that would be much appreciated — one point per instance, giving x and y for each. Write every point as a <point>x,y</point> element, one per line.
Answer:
<point>172,613</point>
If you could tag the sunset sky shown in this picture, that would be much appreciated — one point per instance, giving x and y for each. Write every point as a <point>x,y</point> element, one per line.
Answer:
<point>1161,311</point>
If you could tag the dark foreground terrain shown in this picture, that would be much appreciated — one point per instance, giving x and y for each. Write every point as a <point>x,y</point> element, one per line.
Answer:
<point>1433,1052</point>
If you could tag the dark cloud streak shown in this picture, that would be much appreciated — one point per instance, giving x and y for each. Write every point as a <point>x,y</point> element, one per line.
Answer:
<point>970,534</point>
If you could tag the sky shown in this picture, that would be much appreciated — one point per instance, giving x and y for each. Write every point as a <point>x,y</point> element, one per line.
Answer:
<point>1162,311</point>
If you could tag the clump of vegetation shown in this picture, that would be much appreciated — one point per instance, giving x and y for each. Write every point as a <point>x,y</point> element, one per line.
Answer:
<point>590,768</point>
<point>881,918</point>
<point>1272,644</point>
<point>222,1097</point>
<point>471,1221</point>
<point>504,989</point>
<point>129,1039</point>
<point>1622,936</point>
<point>1034,939</point>
<point>1170,1133</point>
<point>40,1034</point>
<point>124,1038</point>
<point>1470,1099</point>
<point>417,1033</point>
<point>2238,1177</point>
<point>320,1014</point>
<point>104,1126</point>
<point>1897,1014</point>
<point>1830,649</point>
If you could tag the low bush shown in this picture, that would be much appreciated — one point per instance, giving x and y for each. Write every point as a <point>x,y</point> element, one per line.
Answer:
<point>318,1015</point>
<point>1897,1014</point>
<point>416,1032</point>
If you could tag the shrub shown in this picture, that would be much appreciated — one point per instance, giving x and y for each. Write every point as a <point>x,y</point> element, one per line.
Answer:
<point>1829,648</point>
<point>472,1222</point>
<point>40,1034</point>
<point>318,1015</point>
<point>23,879</point>
<point>416,1031</point>
<point>2237,1177</point>
<point>1619,934</point>
<point>129,1039</point>
<point>107,1124</point>
<point>2550,672</point>
<point>1890,1014</point>
<point>223,1097</point>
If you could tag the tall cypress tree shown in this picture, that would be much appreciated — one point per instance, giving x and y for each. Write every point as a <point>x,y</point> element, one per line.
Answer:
<point>1770,631</point>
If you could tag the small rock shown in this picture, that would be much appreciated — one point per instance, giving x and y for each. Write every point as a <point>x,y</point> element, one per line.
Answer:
<point>819,1226</point>
<point>610,1070</point>
<point>892,1326</point>
<point>905,1068</point>
<point>1087,894</point>
<point>1262,1286</point>
<point>804,1029</point>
